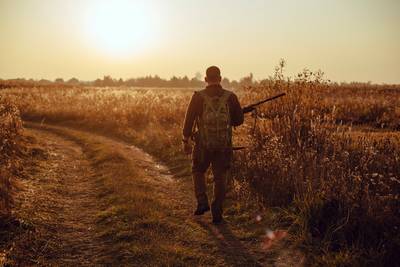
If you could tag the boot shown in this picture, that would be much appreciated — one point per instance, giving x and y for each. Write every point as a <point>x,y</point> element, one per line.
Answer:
<point>216,211</point>
<point>201,209</point>
<point>199,181</point>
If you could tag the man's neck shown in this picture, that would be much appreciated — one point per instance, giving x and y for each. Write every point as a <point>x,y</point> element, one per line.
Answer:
<point>213,84</point>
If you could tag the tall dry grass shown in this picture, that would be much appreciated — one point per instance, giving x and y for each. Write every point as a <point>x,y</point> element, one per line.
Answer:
<point>337,185</point>
<point>10,131</point>
<point>341,187</point>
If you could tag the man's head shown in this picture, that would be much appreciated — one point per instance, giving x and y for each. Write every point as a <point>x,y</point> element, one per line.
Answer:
<point>213,75</point>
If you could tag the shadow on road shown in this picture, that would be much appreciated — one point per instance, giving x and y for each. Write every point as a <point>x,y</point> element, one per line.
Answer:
<point>233,251</point>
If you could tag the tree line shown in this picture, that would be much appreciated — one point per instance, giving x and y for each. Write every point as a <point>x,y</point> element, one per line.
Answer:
<point>108,81</point>
<point>182,82</point>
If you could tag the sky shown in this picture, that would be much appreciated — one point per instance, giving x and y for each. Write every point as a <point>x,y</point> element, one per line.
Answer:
<point>357,40</point>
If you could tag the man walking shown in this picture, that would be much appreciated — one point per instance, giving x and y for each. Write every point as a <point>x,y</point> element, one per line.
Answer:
<point>210,116</point>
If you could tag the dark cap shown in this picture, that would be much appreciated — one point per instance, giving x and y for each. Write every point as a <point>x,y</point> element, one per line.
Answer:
<point>213,72</point>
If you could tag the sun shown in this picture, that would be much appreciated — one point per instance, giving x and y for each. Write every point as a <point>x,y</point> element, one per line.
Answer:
<point>121,27</point>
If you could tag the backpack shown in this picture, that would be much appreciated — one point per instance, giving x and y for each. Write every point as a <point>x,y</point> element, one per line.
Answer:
<point>214,124</point>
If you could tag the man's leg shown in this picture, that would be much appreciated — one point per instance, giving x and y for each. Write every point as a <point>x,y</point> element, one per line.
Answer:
<point>221,163</point>
<point>199,167</point>
<point>219,193</point>
<point>200,188</point>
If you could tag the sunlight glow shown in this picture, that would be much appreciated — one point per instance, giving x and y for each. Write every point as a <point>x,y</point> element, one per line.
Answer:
<point>86,39</point>
<point>121,28</point>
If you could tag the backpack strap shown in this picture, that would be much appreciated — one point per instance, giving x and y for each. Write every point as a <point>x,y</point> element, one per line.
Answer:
<point>207,100</point>
<point>223,100</point>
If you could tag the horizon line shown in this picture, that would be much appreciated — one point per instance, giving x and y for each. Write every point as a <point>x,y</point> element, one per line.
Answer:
<point>65,80</point>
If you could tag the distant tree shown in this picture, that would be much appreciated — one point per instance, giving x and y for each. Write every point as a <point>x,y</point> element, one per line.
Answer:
<point>194,82</point>
<point>174,81</point>
<point>44,81</point>
<point>73,81</point>
<point>108,81</point>
<point>184,82</point>
<point>98,82</point>
<point>130,82</point>
<point>59,80</point>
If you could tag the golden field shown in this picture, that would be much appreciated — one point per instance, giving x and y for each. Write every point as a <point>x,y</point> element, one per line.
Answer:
<point>325,156</point>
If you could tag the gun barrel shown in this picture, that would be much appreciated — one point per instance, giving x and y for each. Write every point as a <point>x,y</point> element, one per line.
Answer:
<point>250,107</point>
<point>236,148</point>
<point>268,99</point>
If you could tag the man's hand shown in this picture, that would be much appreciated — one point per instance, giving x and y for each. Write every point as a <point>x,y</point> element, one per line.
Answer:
<point>187,146</point>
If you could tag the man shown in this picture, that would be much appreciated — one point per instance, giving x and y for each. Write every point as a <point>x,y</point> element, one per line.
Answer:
<point>212,113</point>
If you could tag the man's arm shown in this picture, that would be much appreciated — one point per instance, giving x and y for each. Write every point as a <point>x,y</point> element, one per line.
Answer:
<point>237,117</point>
<point>190,118</point>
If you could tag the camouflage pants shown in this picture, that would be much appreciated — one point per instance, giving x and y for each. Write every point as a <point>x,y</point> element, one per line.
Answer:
<point>220,162</point>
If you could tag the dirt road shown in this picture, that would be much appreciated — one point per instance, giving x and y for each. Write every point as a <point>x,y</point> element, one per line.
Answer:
<point>95,200</point>
<point>63,197</point>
